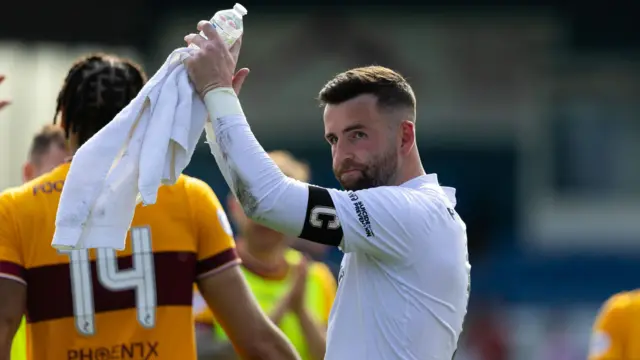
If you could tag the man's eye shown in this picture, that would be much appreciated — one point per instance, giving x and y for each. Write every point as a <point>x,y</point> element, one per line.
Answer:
<point>359,135</point>
<point>332,140</point>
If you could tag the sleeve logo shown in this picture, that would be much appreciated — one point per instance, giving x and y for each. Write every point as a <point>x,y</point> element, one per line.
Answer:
<point>361,213</point>
<point>599,344</point>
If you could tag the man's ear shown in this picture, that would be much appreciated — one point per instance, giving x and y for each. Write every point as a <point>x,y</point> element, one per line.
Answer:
<point>407,136</point>
<point>28,171</point>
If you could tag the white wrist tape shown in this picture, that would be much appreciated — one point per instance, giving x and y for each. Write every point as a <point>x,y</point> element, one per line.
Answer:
<point>222,102</point>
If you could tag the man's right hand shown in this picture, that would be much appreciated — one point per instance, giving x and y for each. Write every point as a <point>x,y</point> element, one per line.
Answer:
<point>4,103</point>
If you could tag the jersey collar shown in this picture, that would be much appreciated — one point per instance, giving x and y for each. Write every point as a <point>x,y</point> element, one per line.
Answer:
<point>417,182</point>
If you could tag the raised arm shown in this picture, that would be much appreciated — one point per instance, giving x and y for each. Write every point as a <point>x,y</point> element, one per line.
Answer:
<point>371,221</point>
<point>267,196</point>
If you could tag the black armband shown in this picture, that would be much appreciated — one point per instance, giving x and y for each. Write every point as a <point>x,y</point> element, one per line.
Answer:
<point>321,223</point>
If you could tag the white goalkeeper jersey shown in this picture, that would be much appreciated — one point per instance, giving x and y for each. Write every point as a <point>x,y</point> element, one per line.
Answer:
<point>404,280</point>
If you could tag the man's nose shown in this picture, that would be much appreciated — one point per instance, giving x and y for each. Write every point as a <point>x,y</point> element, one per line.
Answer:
<point>341,153</point>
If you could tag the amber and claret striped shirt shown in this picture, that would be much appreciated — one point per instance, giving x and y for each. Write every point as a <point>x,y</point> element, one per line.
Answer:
<point>100,304</point>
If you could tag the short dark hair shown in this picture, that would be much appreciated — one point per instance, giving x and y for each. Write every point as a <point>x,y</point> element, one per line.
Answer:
<point>96,88</point>
<point>43,140</point>
<point>389,87</point>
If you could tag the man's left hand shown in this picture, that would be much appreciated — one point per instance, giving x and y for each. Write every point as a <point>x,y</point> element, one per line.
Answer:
<point>213,66</point>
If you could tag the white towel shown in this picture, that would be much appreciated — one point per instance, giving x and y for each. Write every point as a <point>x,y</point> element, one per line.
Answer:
<point>147,144</point>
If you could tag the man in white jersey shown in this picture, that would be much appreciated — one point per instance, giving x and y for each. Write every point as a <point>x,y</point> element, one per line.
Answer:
<point>404,281</point>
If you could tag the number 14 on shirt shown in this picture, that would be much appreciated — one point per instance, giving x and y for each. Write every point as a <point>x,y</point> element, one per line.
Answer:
<point>140,277</point>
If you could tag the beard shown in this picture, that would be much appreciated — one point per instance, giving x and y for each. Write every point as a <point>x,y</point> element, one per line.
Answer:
<point>379,171</point>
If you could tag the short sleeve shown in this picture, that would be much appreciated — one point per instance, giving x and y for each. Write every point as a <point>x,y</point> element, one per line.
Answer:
<point>609,330</point>
<point>328,288</point>
<point>216,247</point>
<point>11,260</point>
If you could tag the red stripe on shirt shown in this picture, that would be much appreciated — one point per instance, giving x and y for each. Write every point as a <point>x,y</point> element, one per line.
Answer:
<point>217,262</point>
<point>12,271</point>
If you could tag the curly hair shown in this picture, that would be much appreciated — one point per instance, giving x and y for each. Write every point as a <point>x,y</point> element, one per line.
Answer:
<point>94,91</point>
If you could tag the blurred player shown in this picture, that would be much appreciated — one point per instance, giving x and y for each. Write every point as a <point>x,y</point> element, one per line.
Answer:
<point>48,150</point>
<point>296,293</point>
<point>616,329</point>
<point>91,304</point>
<point>404,282</point>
